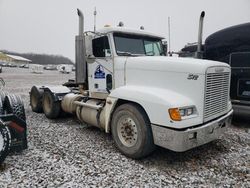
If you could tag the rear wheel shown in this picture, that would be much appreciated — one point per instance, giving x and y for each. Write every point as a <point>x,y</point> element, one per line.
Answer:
<point>5,141</point>
<point>131,131</point>
<point>51,107</point>
<point>36,96</point>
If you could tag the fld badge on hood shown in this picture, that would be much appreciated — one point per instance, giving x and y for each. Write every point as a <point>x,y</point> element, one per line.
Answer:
<point>193,77</point>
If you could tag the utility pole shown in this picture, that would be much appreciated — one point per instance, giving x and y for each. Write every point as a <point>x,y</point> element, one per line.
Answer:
<point>95,13</point>
<point>169,47</point>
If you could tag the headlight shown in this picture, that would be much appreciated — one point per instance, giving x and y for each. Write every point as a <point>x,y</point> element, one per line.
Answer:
<point>177,114</point>
<point>187,111</point>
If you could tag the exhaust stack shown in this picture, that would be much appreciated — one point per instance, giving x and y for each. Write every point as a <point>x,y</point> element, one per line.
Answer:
<point>199,53</point>
<point>80,54</point>
<point>81,20</point>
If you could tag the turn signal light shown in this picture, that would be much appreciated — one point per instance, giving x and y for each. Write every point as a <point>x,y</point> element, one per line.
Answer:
<point>174,114</point>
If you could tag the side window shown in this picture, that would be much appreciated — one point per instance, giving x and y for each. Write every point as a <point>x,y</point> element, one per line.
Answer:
<point>152,48</point>
<point>101,47</point>
<point>149,48</point>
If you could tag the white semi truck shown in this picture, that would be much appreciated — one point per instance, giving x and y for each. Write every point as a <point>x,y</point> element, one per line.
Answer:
<point>126,86</point>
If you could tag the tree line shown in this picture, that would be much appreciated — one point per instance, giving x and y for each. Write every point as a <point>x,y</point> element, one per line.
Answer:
<point>42,59</point>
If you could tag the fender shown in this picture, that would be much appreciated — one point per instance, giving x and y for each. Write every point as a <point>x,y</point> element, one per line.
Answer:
<point>156,102</point>
<point>58,91</point>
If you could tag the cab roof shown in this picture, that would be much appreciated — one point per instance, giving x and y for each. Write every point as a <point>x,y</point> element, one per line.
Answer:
<point>125,30</point>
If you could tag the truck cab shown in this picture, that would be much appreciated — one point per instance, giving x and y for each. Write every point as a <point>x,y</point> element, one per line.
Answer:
<point>111,48</point>
<point>126,86</point>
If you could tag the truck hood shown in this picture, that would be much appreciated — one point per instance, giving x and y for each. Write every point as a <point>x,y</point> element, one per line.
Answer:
<point>172,64</point>
<point>182,81</point>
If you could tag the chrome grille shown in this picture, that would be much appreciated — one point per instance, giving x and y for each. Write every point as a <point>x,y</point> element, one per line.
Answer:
<point>216,94</point>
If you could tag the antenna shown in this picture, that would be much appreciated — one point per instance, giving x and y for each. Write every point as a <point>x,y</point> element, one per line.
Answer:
<point>169,47</point>
<point>95,13</point>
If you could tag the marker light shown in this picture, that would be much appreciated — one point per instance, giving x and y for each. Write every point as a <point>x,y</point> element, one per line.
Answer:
<point>121,24</point>
<point>174,114</point>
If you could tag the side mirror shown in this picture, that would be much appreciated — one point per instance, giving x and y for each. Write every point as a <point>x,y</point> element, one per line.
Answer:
<point>165,47</point>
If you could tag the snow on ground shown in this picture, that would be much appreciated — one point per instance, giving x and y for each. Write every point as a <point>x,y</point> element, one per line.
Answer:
<point>65,153</point>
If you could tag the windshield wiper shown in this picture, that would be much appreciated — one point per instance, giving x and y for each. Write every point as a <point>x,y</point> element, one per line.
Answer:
<point>128,53</point>
<point>124,53</point>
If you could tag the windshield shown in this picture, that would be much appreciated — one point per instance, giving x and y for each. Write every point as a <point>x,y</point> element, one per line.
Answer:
<point>127,45</point>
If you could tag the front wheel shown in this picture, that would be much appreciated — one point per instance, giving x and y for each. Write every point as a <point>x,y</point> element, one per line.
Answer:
<point>131,131</point>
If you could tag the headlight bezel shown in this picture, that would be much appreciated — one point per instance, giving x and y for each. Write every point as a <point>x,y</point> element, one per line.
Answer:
<point>186,112</point>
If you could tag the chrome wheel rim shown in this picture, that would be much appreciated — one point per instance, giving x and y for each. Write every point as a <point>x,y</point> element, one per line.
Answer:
<point>127,131</point>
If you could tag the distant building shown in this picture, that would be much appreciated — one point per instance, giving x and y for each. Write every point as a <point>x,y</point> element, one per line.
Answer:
<point>18,59</point>
<point>13,59</point>
<point>4,58</point>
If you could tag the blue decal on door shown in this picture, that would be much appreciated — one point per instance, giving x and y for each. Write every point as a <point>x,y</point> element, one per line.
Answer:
<point>99,72</point>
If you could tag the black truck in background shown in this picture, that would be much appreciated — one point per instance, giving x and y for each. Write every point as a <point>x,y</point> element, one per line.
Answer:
<point>230,45</point>
<point>240,82</point>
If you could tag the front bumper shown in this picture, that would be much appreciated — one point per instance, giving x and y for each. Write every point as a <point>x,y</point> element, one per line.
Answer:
<point>183,140</point>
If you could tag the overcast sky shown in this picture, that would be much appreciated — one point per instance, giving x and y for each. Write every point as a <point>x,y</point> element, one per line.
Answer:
<point>49,26</point>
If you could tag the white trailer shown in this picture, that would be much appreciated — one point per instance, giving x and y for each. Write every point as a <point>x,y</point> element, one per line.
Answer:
<point>126,86</point>
<point>35,68</point>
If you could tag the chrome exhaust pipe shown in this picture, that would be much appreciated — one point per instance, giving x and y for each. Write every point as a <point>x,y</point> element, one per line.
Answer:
<point>81,21</point>
<point>80,54</point>
<point>200,33</point>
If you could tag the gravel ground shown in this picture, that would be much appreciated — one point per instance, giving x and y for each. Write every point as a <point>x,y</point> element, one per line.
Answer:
<point>64,153</point>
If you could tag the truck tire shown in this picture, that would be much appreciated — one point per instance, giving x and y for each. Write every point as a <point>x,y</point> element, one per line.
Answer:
<point>131,131</point>
<point>36,98</point>
<point>1,107</point>
<point>2,97</point>
<point>3,94</point>
<point>13,104</point>
<point>5,141</point>
<point>51,108</point>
